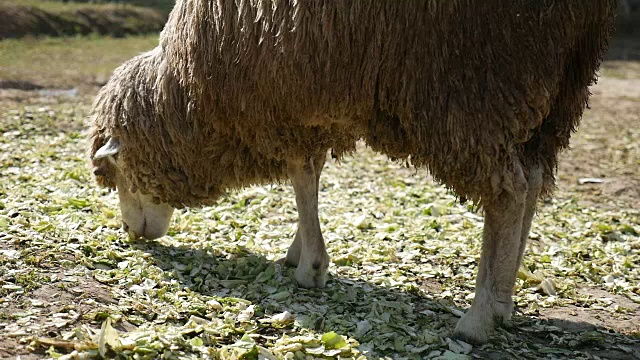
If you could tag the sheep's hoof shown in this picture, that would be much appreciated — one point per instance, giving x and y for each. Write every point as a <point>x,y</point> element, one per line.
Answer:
<point>478,323</point>
<point>312,276</point>
<point>475,327</point>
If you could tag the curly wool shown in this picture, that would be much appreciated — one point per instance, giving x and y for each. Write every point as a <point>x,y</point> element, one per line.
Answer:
<point>461,87</point>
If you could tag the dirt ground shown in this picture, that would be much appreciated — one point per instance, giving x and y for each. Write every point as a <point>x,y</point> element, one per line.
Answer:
<point>601,170</point>
<point>608,141</point>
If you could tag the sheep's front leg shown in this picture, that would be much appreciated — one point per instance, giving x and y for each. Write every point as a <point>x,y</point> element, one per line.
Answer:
<point>506,229</point>
<point>308,249</point>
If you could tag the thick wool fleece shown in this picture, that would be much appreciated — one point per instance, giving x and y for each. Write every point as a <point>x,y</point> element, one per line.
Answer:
<point>462,87</point>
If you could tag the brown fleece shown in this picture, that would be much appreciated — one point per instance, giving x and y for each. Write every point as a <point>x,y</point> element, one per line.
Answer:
<point>461,87</point>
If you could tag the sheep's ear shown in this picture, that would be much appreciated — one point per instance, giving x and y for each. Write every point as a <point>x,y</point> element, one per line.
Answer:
<point>109,149</point>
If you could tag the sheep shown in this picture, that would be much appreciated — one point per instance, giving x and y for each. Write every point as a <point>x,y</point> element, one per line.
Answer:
<point>483,94</point>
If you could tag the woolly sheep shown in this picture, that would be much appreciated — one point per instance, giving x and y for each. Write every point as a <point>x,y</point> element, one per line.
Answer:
<point>484,94</point>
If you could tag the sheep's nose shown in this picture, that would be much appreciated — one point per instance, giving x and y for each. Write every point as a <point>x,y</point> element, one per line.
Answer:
<point>125,227</point>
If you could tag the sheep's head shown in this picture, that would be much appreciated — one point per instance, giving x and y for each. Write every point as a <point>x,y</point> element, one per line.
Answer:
<point>141,216</point>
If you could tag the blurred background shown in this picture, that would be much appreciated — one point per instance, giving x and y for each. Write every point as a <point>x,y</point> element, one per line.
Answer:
<point>63,44</point>
<point>56,54</point>
<point>40,39</point>
<point>630,15</point>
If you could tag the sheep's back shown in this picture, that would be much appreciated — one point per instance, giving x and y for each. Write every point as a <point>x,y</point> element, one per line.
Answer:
<point>458,86</point>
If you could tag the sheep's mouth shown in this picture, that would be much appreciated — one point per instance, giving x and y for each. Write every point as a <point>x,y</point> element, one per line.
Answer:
<point>104,173</point>
<point>135,236</point>
<point>132,234</point>
<point>141,218</point>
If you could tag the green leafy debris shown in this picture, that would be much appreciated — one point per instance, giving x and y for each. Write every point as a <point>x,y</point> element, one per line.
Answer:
<point>404,257</point>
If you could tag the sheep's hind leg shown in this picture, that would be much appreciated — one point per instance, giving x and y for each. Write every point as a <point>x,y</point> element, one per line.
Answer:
<point>506,229</point>
<point>308,248</point>
<point>534,181</point>
<point>293,254</point>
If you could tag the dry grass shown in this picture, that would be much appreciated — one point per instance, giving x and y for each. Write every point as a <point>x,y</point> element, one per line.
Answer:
<point>60,6</point>
<point>404,253</point>
<point>68,62</point>
<point>54,18</point>
<point>621,69</point>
